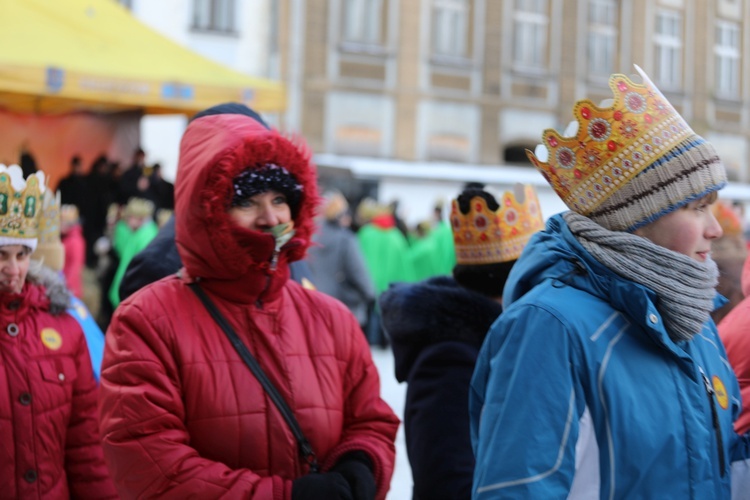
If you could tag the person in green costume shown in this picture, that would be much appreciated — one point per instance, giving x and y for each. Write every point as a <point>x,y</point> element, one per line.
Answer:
<point>132,233</point>
<point>386,254</point>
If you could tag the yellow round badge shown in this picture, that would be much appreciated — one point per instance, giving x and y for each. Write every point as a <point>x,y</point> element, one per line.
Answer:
<point>721,392</point>
<point>51,338</point>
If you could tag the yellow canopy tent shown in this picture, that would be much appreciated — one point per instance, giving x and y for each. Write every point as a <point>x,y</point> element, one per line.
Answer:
<point>92,55</point>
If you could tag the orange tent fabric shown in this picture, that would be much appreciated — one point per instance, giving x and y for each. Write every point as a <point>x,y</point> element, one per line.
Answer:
<point>54,140</point>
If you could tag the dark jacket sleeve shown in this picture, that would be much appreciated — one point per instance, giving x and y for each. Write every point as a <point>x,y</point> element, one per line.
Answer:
<point>436,421</point>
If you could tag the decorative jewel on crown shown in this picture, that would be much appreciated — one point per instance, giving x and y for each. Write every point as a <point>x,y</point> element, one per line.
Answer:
<point>20,202</point>
<point>485,237</point>
<point>606,146</point>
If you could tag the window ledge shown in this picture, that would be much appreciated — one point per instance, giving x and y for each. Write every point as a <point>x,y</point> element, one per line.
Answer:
<point>531,71</point>
<point>729,101</point>
<point>217,32</point>
<point>452,62</point>
<point>370,49</point>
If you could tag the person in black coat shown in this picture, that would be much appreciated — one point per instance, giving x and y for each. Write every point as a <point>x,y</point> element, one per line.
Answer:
<point>73,187</point>
<point>436,329</point>
<point>100,193</point>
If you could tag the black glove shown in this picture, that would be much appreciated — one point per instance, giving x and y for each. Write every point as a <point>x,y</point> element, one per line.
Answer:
<point>330,485</point>
<point>356,467</point>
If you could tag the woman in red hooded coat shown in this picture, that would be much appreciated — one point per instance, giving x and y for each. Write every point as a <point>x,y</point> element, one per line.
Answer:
<point>180,413</point>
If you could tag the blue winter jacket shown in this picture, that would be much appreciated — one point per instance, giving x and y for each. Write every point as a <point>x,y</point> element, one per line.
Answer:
<point>579,392</point>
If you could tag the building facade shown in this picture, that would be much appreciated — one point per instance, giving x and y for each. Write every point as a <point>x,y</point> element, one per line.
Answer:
<point>389,92</point>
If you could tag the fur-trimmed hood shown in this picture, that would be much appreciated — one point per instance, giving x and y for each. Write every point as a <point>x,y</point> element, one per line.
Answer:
<point>437,310</point>
<point>44,290</point>
<point>232,261</point>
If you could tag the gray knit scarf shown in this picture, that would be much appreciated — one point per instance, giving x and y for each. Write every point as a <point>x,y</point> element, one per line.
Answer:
<point>685,287</point>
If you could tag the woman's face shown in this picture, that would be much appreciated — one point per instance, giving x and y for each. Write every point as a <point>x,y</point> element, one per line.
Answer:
<point>688,230</point>
<point>262,211</point>
<point>14,264</point>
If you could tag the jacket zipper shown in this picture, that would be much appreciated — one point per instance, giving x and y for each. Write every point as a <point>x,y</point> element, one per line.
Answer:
<point>715,417</point>
<point>272,268</point>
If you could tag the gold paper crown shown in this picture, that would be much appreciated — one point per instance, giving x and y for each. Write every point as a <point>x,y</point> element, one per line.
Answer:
<point>139,207</point>
<point>606,147</point>
<point>485,237</point>
<point>368,208</point>
<point>20,202</point>
<point>50,250</point>
<point>49,218</point>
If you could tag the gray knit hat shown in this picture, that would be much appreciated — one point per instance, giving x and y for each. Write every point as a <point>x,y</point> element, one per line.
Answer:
<point>629,162</point>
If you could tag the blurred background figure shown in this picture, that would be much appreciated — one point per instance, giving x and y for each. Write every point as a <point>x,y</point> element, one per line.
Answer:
<point>431,251</point>
<point>437,326</point>
<point>134,182</point>
<point>163,190</point>
<point>729,252</point>
<point>734,331</point>
<point>336,260</point>
<point>386,253</point>
<point>423,256</point>
<point>100,194</point>
<point>442,234</point>
<point>73,188</point>
<point>52,254</point>
<point>133,232</point>
<point>71,234</point>
<point>27,162</point>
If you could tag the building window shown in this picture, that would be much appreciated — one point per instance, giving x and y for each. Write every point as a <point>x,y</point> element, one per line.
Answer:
<point>214,15</point>
<point>727,52</point>
<point>530,23</point>
<point>450,30</point>
<point>363,21</point>
<point>602,37</point>
<point>274,57</point>
<point>668,49</point>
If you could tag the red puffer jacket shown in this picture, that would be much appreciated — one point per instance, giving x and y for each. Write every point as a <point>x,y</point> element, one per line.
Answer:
<point>180,413</point>
<point>49,441</point>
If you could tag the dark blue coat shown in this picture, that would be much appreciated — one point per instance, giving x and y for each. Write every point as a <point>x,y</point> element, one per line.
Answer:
<point>436,329</point>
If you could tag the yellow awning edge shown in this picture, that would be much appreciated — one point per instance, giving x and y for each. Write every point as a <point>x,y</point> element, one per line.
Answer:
<point>58,57</point>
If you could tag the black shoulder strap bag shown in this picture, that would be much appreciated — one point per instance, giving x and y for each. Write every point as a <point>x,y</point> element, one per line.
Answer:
<point>305,449</point>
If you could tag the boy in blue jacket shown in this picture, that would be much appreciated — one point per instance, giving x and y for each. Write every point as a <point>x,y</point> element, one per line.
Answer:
<point>604,377</point>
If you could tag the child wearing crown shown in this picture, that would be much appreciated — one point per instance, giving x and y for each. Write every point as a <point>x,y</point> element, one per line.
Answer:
<point>605,377</point>
<point>49,434</point>
<point>437,326</point>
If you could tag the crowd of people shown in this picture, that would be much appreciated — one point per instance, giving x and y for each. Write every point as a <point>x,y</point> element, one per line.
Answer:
<point>574,359</point>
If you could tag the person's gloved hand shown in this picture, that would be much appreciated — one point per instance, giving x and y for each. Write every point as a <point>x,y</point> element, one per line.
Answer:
<point>356,467</point>
<point>330,485</point>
